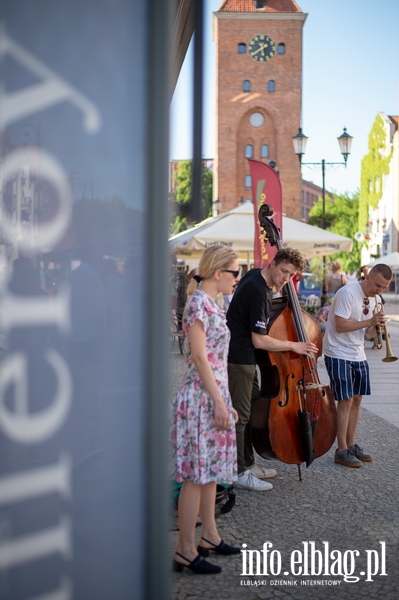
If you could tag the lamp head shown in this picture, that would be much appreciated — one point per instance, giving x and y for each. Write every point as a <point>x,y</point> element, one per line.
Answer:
<point>345,144</point>
<point>299,140</point>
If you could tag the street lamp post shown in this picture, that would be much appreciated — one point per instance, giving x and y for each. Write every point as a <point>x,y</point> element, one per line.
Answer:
<point>345,143</point>
<point>216,206</point>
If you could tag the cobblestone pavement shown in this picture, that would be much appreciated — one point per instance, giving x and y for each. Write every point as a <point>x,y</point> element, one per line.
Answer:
<point>335,507</point>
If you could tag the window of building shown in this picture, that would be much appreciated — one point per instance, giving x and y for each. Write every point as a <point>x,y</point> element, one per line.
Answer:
<point>259,4</point>
<point>249,151</point>
<point>271,86</point>
<point>241,48</point>
<point>248,181</point>
<point>281,49</point>
<point>247,86</point>
<point>256,119</point>
<point>264,151</point>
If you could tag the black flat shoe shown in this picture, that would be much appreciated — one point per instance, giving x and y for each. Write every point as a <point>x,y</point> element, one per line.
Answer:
<point>198,565</point>
<point>221,548</point>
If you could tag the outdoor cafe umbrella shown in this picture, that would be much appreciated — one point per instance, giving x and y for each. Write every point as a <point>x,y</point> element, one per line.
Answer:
<point>392,260</point>
<point>235,229</point>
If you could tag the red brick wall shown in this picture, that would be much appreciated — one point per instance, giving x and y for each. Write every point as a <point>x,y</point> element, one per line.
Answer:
<point>281,108</point>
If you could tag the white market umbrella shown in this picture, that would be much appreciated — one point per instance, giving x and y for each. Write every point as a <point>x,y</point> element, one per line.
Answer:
<point>235,228</point>
<point>392,260</point>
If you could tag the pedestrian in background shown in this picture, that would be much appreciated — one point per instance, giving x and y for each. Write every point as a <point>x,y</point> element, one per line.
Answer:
<point>335,280</point>
<point>322,315</point>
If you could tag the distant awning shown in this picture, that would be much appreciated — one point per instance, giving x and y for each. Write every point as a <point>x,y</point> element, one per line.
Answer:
<point>235,228</point>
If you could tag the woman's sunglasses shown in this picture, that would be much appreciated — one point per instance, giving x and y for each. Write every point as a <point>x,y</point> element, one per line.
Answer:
<point>235,273</point>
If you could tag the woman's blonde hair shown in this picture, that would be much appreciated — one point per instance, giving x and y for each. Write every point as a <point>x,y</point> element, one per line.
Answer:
<point>214,258</point>
<point>335,266</point>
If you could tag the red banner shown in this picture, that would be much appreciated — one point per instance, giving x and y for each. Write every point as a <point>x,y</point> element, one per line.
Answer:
<point>266,189</point>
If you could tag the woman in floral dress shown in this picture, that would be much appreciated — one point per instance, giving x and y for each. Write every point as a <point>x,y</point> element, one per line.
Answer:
<point>203,447</point>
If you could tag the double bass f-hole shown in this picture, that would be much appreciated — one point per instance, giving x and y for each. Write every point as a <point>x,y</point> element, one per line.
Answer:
<point>286,399</point>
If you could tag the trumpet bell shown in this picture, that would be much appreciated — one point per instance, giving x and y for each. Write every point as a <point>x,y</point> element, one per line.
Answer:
<point>390,359</point>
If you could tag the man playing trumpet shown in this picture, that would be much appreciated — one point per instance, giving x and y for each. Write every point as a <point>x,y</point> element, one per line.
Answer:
<point>350,318</point>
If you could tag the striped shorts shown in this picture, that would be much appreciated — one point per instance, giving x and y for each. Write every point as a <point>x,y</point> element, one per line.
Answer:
<point>348,377</point>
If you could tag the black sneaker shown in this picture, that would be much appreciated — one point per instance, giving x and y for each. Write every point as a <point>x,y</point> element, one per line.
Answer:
<point>358,452</point>
<point>346,458</point>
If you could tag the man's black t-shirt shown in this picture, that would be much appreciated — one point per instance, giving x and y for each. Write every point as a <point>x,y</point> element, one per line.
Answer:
<point>249,312</point>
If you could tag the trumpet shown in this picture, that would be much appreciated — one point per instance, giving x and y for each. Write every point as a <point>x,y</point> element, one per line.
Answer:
<point>389,356</point>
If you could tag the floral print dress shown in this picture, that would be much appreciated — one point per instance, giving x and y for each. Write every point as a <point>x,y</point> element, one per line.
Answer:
<point>200,452</point>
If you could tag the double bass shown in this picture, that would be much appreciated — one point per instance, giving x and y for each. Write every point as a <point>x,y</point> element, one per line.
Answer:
<point>293,416</point>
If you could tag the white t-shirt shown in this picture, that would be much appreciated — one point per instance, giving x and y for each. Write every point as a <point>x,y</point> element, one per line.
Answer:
<point>348,304</point>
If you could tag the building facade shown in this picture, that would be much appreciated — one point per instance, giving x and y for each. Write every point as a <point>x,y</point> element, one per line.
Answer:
<point>259,94</point>
<point>380,184</point>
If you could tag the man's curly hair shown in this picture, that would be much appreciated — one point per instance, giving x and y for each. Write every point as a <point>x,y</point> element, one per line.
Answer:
<point>292,256</point>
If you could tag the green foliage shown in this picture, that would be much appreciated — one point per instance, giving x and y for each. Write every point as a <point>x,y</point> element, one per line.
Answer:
<point>375,165</point>
<point>183,189</point>
<point>183,182</point>
<point>319,269</point>
<point>341,216</point>
<point>207,191</point>
<point>179,224</point>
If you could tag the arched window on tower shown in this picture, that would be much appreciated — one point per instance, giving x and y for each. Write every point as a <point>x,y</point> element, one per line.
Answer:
<point>241,48</point>
<point>247,86</point>
<point>264,151</point>
<point>271,86</point>
<point>248,181</point>
<point>281,49</point>
<point>249,151</point>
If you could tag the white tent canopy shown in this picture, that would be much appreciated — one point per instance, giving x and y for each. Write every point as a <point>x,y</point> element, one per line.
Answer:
<point>235,228</point>
<point>392,260</point>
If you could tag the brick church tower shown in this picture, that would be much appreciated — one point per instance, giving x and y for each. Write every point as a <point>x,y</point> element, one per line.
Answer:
<point>259,96</point>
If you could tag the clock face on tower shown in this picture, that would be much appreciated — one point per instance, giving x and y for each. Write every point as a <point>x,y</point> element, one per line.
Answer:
<point>261,48</point>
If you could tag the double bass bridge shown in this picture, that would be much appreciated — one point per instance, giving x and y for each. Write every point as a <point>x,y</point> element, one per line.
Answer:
<point>309,386</point>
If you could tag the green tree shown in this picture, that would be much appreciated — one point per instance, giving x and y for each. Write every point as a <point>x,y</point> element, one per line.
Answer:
<point>375,165</point>
<point>182,195</point>
<point>342,217</point>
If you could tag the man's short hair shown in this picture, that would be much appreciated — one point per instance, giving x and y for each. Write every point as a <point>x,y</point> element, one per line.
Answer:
<point>292,256</point>
<point>384,270</point>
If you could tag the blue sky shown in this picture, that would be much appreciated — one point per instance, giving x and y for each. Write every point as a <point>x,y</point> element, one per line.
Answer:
<point>350,73</point>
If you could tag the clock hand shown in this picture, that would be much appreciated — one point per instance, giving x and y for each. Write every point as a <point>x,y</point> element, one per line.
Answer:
<point>261,47</point>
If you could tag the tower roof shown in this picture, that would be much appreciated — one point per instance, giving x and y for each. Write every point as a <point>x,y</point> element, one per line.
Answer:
<point>275,6</point>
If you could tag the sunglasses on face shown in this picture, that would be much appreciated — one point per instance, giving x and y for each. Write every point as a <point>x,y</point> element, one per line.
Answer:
<point>235,273</point>
<point>366,303</point>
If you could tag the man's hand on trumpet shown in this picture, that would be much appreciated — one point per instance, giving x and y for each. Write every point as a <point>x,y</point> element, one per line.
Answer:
<point>378,319</point>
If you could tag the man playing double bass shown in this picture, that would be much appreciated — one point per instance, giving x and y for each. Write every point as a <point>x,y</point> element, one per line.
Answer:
<point>247,318</point>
